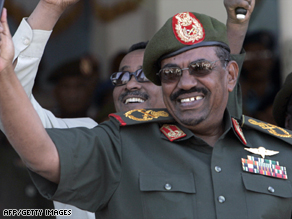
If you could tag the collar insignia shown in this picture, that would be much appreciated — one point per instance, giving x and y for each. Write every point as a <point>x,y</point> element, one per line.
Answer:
<point>172,132</point>
<point>238,130</point>
<point>262,151</point>
<point>187,28</point>
<point>264,167</point>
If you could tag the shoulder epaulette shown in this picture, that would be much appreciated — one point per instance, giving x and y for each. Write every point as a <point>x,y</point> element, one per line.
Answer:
<point>139,116</point>
<point>270,129</point>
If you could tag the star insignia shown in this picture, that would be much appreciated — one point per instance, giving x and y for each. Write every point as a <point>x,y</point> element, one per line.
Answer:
<point>262,151</point>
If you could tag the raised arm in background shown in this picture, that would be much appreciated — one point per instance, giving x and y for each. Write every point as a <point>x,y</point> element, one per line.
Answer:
<point>22,125</point>
<point>237,28</point>
<point>30,40</point>
<point>236,31</point>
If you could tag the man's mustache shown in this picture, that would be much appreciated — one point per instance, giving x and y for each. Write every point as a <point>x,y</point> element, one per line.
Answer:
<point>143,95</point>
<point>175,95</point>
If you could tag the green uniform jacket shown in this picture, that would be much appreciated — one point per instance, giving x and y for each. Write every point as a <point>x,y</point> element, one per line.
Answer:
<point>128,168</point>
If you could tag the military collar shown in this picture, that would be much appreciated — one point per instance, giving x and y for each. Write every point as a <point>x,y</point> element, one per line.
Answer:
<point>237,130</point>
<point>235,125</point>
<point>177,132</point>
<point>170,129</point>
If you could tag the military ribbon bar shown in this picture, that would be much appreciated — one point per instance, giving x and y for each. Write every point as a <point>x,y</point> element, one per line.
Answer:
<point>262,160</point>
<point>264,167</point>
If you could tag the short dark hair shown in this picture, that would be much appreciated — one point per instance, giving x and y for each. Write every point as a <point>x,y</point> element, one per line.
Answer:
<point>136,46</point>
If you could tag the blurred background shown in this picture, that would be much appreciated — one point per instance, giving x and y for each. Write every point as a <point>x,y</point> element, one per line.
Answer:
<point>95,34</point>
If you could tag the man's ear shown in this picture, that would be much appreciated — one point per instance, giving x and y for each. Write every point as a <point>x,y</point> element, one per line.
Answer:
<point>232,69</point>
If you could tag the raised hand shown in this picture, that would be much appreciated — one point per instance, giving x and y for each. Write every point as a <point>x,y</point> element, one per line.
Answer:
<point>63,4</point>
<point>6,43</point>
<point>232,5</point>
<point>47,13</point>
<point>237,28</point>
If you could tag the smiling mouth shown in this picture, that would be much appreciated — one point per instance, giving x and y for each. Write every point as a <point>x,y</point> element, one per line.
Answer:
<point>134,100</point>
<point>191,99</point>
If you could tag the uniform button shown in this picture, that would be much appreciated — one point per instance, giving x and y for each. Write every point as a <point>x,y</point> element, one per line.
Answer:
<point>221,199</point>
<point>271,189</point>
<point>218,169</point>
<point>26,41</point>
<point>167,186</point>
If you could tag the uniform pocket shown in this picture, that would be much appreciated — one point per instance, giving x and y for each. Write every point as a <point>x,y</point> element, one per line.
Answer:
<point>167,196</point>
<point>268,185</point>
<point>267,197</point>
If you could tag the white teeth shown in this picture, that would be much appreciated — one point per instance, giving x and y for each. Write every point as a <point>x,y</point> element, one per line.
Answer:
<point>134,100</point>
<point>187,100</point>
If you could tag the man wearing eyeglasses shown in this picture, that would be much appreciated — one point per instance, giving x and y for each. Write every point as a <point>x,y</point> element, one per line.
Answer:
<point>197,75</point>
<point>134,91</point>
<point>192,160</point>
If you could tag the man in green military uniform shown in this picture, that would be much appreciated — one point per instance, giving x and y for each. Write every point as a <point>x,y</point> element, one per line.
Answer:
<point>192,160</point>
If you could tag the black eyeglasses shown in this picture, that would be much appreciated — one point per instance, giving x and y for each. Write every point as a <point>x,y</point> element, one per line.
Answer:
<point>197,68</point>
<point>123,77</point>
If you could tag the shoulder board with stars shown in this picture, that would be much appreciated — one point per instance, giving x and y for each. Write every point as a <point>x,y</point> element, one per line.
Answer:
<point>270,129</point>
<point>139,116</point>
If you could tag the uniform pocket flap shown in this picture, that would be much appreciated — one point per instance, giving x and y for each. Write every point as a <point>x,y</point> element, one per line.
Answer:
<point>267,185</point>
<point>167,183</point>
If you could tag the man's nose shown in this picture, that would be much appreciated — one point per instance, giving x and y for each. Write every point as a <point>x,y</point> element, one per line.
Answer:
<point>133,84</point>
<point>187,81</point>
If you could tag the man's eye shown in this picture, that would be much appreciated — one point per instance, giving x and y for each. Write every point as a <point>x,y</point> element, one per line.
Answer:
<point>177,71</point>
<point>201,66</point>
<point>167,71</point>
<point>207,65</point>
